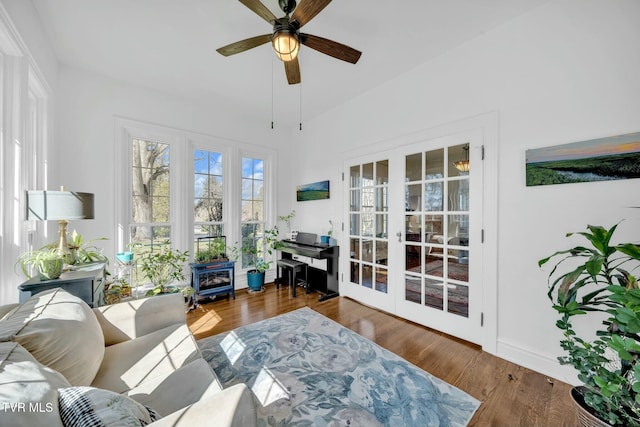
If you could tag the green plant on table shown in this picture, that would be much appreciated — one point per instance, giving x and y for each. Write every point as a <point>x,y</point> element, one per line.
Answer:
<point>46,261</point>
<point>84,252</point>
<point>600,279</point>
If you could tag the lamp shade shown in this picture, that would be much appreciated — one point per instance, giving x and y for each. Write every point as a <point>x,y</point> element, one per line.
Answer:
<point>59,205</point>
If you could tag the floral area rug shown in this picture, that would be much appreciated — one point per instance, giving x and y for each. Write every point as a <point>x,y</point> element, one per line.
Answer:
<point>307,370</point>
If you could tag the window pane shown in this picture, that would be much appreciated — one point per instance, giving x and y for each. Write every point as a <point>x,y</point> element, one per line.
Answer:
<point>382,172</point>
<point>459,160</point>
<point>367,174</point>
<point>252,215</point>
<point>208,191</point>
<point>433,196</point>
<point>355,176</point>
<point>150,182</point>
<point>413,165</point>
<point>435,164</point>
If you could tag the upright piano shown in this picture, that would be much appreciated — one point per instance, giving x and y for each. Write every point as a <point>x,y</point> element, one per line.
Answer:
<point>322,261</point>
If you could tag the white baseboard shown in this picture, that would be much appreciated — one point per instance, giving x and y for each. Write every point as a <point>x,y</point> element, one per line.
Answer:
<point>536,361</point>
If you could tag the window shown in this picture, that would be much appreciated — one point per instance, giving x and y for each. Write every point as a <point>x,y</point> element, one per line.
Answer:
<point>253,209</point>
<point>208,194</point>
<point>150,194</point>
<point>150,215</point>
<point>182,186</point>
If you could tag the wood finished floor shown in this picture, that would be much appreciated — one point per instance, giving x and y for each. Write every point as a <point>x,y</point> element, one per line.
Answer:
<point>510,394</point>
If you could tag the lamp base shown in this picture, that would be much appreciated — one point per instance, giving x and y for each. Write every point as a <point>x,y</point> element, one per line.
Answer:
<point>63,247</point>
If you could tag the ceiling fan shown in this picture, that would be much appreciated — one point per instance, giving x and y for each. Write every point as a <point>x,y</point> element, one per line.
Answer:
<point>286,36</point>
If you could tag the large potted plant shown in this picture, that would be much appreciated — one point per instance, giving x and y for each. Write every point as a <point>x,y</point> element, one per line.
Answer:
<point>253,252</point>
<point>600,285</point>
<point>164,269</point>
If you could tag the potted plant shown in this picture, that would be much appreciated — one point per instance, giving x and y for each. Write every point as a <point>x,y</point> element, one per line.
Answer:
<point>251,251</point>
<point>600,280</point>
<point>332,241</point>
<point>212,249</point>
<point>46,261</point>
<point>164,268</point>
<point>287,220</point>
<point>83,251</point>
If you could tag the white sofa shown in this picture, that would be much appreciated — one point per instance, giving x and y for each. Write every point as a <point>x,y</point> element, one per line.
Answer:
<point>133,363</point>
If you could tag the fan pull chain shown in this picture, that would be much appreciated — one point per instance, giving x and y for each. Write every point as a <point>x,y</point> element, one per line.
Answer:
<point>271,93</point>
<point>300,105</point>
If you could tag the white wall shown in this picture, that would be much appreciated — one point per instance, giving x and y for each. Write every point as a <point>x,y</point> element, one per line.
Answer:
<point>565,72</point>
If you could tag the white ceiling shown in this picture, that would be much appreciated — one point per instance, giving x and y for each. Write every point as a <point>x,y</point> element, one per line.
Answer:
<point>169,45</point>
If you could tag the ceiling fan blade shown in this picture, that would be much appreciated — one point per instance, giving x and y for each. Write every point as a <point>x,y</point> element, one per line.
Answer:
<point>243,45</point>
<point>307,9</point>
<point>331,48</point>
<point>292,68</point>
<point>260,9</point>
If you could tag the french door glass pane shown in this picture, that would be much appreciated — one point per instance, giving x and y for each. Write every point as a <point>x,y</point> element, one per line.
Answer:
<point>413,167</point>
<point>434,168</point>
<point>413,288</point>
<point>434,293</point>
<point>369,224</point>
<point>433,196</point>
<point>437,229</point>
<point>382,172</point>
<point>354,224</point>
<point>382,252</point>
<point>413,197</point>
<point>355,176</point>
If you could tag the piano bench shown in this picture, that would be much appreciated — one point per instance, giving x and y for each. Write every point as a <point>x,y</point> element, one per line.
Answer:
<point>292,267</point>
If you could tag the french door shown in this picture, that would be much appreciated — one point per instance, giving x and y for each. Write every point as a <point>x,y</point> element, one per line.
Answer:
<point>414,233</point>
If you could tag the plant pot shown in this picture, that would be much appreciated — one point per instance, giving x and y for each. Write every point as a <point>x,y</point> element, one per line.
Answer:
<point>255,280</point>
<point>51,268</point>
<point>585,417</point>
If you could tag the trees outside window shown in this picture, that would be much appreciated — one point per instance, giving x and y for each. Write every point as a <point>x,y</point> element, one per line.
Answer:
<point>208,192</point>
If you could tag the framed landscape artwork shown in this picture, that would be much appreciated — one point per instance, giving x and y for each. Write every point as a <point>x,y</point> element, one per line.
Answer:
<point>603,159</point>
<point>315,191</point>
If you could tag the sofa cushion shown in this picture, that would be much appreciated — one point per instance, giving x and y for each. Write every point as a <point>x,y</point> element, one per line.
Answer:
<point>178,389</point>
<point>233,407</point>
<point>130,363</point>
<point>28,390</point>
<point>60,331</point>
<point>89,406</point>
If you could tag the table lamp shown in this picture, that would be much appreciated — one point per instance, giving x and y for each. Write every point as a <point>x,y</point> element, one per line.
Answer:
<point>61,206</point>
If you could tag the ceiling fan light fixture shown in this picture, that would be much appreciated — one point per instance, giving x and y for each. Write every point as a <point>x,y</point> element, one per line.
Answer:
<point>286,45</point>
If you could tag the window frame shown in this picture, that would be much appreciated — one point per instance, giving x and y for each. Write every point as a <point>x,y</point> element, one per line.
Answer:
<point>212,145</point>
<point>182,147</point>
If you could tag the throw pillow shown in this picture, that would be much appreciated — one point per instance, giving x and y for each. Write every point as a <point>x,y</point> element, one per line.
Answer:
<point>28,390</point>
<point>90,406</point>
<point>60,331</point>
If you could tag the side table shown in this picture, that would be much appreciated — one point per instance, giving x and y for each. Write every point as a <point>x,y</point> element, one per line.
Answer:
<point>86,282</point>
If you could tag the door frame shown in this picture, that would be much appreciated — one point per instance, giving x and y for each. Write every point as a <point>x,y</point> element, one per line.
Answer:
<point>487,124</point>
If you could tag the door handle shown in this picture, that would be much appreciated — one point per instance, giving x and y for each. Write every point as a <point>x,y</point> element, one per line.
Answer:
<point>399,234</point>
